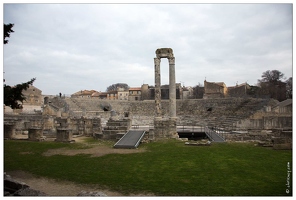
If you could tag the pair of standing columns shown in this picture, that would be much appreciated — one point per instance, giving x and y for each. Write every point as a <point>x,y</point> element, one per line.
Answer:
<point>165,53</point>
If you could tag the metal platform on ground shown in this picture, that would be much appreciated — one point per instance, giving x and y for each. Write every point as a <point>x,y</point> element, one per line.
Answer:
<point>130,140</point>
<point>213,136</point>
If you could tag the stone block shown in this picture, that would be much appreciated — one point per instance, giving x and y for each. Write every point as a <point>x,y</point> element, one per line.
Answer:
<point>35,134</point>
<point>64,135</point>
<point>285,146</point>
<point>29,192</point>
<point>93,194</point>
<point>9,131</point>
<point>165,128</point>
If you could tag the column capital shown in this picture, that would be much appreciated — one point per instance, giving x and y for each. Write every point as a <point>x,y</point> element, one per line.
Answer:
<point>171,60</point>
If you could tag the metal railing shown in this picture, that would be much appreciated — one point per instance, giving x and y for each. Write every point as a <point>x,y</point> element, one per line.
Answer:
<point>214,135</point>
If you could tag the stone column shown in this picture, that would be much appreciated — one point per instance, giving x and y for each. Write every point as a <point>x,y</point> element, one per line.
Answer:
<point>35,134</point>
<point>172,87</point>
<point>157,88</point>
<point>9,130</point>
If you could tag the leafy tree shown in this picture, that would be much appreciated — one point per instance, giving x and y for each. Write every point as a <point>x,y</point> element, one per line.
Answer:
<point>114,87</point>
<point>13,96</point>
<point>7,31</point>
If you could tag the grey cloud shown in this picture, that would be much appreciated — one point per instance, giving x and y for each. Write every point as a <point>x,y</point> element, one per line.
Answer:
<point>95,45</point>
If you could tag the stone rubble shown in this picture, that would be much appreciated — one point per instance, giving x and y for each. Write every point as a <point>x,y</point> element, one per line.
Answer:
<point>16,188</point>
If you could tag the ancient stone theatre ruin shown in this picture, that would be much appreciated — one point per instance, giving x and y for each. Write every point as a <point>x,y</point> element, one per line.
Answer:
<point>165,127</point>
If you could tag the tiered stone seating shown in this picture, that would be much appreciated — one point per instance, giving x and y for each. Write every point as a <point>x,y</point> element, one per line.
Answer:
<point>215,112</point>
<point>72,104</point>
<point>113,127</point>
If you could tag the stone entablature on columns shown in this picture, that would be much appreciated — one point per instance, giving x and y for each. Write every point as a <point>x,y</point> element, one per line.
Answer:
<point>160,124</point>
<point>164,53</point>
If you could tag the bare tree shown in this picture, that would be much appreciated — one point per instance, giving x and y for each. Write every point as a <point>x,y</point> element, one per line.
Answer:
<point>271,85</point>
<point>289,83</point>
<point>272,76</point>
<point>114,87</point>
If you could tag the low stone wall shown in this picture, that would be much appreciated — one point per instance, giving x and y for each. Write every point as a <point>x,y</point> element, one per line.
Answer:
<point>227,113</point>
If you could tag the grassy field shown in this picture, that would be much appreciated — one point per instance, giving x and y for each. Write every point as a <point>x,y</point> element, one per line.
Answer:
<point>167,168</point>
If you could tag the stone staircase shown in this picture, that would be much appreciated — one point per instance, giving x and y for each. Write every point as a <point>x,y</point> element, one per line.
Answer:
<point>114,127</point>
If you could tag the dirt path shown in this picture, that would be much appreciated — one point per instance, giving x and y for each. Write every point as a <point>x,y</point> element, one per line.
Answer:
<point>56,188</point>
<point>95,151</point>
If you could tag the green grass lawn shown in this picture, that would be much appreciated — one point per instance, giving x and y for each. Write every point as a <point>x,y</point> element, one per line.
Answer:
<point>167,168</point>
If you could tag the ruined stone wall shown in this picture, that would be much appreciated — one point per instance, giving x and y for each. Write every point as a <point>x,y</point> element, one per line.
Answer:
<point>49,124</point>
<point>237,91</point>
<point>239,113</point>
<point>197,110</point>
<point>33,96</point>
<point>265,120</point>
<point>214,90</point>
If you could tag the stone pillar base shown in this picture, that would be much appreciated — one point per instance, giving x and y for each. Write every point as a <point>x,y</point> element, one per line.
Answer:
<point>165,128</point>
<point>64,135</point>
<point>9,131</point>
<point>35,134</point>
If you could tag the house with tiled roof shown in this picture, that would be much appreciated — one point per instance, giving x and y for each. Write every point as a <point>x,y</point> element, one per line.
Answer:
<point>122,94</point>
<point>112,95</point>
<point>135,94</point>
<point>83,94</point>
<point>100,95</point>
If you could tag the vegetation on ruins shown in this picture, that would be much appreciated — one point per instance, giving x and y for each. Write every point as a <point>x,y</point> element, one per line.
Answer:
<point>198,91</point>
<point>289,87</point>
<point>7,31</point>
<point>13,96</point>
<point>114,87</point>
<point>166,168</point>
<point>272,86</point>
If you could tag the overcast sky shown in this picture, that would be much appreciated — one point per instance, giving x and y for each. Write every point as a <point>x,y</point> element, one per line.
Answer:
<point>72,47</point>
